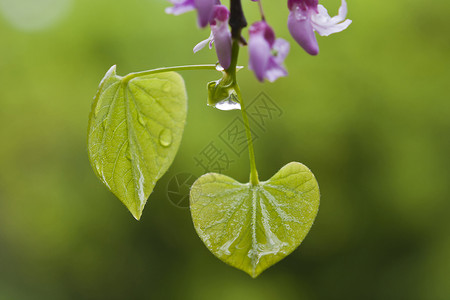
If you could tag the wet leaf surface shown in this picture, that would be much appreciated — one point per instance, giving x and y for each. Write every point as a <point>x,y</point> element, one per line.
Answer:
<point>253,227</point>
<point>135,130</point>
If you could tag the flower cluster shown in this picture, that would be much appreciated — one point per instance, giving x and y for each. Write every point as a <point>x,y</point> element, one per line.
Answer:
<point>266,52</point>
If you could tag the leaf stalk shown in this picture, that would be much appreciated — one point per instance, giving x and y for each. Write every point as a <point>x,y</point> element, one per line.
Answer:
<point>254,180</point>
<point>168,69</point>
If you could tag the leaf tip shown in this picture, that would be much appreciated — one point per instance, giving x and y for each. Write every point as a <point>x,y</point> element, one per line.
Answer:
<point>112,70</point>
<point>136,212</point>
<point>109,73</point>
<point>253,272</point>
<point>137,216</point>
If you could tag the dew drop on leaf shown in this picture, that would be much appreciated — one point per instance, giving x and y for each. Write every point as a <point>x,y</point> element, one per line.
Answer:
<point>166,88</point>
<point>252,227</point>
<point>96,110</point>
<point>165,137</point>
<point>142,120</point>
<point>128,156</point>
<point>128,148</point>
<point>104,124</point>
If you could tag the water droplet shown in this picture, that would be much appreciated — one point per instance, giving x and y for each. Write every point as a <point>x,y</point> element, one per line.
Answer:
<point>228,104</point>
<point>128,156</point>
<point>165,138</point>
<point>299,14</point>
<point>166,88</point>
<point>219,68</point>
<point>96,110</point>
<point>141,120</point>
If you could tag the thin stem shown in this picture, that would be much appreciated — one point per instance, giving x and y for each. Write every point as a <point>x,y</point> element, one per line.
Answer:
<point>234,58</point>
<point>169,69</point>
<point>254,180</point>
<point>251,152</point>
<point>261,10</point>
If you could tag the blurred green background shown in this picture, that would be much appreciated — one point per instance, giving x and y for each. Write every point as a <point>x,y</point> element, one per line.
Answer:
<point>370,116</point>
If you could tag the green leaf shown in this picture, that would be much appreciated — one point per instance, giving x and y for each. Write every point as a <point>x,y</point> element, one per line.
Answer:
<point>135,129</point>
<point>252,227</point>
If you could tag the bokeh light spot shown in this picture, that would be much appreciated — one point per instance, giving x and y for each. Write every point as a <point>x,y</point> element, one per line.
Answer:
<point>34,15</point>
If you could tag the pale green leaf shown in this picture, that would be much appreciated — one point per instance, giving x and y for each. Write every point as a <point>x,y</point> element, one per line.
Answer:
<point>252,227</point>
<point>135,129</point>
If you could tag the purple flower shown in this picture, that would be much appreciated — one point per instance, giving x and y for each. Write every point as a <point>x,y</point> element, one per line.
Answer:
<point>220,35</point>
<point>204,9</point>
<point>266,54</point>
<point>307,16</point>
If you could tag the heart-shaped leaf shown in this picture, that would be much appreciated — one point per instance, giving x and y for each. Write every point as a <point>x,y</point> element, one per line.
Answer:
<point>252,227</point>
<point>135,129</point>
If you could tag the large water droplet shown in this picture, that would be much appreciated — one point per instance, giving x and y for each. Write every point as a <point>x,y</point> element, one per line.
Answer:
<point>165,137</point>
<point>228,104</point>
